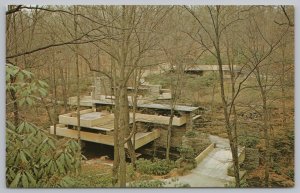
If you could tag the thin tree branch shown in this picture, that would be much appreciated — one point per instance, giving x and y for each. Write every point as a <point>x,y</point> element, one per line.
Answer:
<point>11,11</point>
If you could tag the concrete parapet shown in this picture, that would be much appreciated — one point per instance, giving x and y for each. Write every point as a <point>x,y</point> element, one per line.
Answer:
<point>204,153</point>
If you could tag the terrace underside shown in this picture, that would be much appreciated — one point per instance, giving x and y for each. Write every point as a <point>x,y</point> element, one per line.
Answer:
<point>141,139</point>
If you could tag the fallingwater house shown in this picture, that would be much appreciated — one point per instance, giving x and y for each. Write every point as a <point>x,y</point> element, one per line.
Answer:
<point>152,118</point>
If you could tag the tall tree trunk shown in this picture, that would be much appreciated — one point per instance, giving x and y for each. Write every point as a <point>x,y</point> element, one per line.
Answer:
<point>232,105</point>
<point>122,132</point>
<point>169,133</point>
<point>231,134</point>
<point>137,76</point>
<point>267,140</point>
<point>64,89</point>
<point>130,146</point>
<point>115,169</point>
<point>54,90</point>
<point>116,162</point>
<point>213,100</point>
<point>231,137</point>
<point>126,126</point>
<point>175,94</point>
<point>123,99</point>
<point>78,88</point>
<point>266,126</point>
<point>282,82</point>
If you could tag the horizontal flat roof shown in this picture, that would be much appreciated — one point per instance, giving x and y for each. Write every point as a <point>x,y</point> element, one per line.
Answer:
<point>92,115</point>
<point>181,108</point>
<point>168,107</point>
<point>211,68</point>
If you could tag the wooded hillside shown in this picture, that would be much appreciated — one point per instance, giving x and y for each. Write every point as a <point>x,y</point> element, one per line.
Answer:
<point>246,95</point>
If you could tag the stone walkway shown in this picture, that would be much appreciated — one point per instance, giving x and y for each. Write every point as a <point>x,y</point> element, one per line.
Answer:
<point>212,171</point>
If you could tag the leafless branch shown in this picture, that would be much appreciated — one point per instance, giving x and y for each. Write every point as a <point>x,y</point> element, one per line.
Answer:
<point>16,9</point>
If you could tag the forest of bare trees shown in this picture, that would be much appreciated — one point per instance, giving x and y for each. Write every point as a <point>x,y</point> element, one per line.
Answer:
<point>56,52</point>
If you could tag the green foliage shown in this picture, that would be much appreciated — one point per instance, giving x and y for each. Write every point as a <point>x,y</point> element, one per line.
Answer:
<point>177,184</point>
<point>88,180</point>
<point>22,82</point>
<point>192,82</point>
<point>186,152</point>
<point>248,141</point>
<point>206,80</point>
<point>277,169</point>
<point>207,59</point>
<point>183,185</point>
<point>160,79</point>
<point>158,184</point>
<point>185,164</point>
<point>187,158</point>
<point>191,134</point>
<point>91,175</point>
<point>157,167</point>
<point>291,136</point>
<point>147,184</point>
<point>283,145</point>
<point>34,159</point>
<point>130,172</point>
<point>291,174</point>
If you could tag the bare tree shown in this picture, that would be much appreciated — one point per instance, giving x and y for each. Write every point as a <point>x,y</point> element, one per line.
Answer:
<point>78,85</point>
<point>258,56</point>
<point>131,37</point>
<point>213,43</point>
